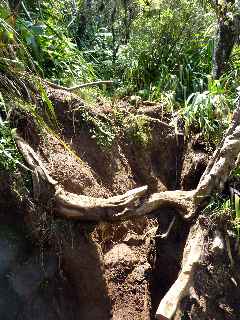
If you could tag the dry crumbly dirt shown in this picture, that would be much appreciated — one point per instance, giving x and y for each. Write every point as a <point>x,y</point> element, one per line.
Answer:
<point>120,271</point>
<point>111,269</point>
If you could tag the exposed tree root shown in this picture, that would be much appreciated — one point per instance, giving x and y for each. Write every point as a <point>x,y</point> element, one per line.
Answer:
<point>181,286</point>
<point>223,160</point>
<point>34,161</point>
<point>166,234</point>
<point>133,203</point>
<point>137,202</point>
<point>81,207</point>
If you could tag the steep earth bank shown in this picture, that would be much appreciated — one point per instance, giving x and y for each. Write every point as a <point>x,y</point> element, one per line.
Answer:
<point>115,270</point>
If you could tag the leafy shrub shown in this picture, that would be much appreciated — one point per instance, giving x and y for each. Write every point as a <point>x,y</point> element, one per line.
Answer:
<point>100,53</point>
<point>209,111</point>
<point>170,49</point>
<point>11,161</point>
<point>231,77</point>
<point>227,208</point>
<point>41,40</point>
<point>55,54</point>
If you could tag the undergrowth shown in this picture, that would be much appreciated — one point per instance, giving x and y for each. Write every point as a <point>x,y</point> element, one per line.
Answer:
<point>170,49</point>
<point>10,158</point>
<point>208,112</point>
<point>137,129</point>
<point>227,207</point>
<point>100,128</point>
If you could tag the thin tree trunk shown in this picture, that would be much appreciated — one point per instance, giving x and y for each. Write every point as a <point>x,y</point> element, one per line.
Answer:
<point>225,39</point>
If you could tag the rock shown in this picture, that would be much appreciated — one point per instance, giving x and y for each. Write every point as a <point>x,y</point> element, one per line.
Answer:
<point>10,303</point>
<point>218,242</point>
<point>41,309</point>
<point>134,100</point>
<point>8,255</point>
<point>13,248</point>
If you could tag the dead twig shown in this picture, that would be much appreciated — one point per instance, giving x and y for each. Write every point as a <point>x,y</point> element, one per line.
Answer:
<point>79,86</point>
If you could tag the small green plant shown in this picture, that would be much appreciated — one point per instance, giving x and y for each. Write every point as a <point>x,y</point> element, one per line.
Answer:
<point>138,129</point>
<point>101,129</point>
<point>236,218</point>
<point>49,111</point>
<point>209,111</point>
<point>226,207</point>
<point>9,155</point>
<point>119,117</point>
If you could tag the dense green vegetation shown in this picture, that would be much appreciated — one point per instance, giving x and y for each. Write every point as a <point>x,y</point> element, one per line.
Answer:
<point>158,50</point>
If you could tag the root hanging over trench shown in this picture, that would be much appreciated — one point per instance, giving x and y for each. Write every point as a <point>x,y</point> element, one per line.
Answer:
<point>138,202</point>
<point>180,288</point>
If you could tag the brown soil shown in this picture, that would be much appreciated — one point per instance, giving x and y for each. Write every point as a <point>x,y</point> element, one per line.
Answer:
<point>167,257</point>
<point>121,270</point>
<point>196,158</point>
<point>31,284</point>
<point>111,267</point>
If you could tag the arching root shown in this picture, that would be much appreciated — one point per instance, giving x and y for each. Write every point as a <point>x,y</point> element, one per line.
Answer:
<point>137,202</point>
<point>181,286</point>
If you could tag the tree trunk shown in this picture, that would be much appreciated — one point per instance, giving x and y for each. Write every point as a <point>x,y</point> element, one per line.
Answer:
<point>226,37</point>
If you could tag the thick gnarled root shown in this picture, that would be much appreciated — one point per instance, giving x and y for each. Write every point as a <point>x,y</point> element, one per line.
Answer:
<point>82,207</point>
<point>131,204</point>
<point>135,203</point>
<point>181,286</point>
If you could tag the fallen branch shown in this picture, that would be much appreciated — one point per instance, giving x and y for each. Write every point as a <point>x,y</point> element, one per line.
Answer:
<point>79,86</point>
